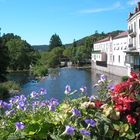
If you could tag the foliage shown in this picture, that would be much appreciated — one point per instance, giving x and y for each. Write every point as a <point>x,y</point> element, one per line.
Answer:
<point>3,92</point>
<point>47,60</point>
<point>8,88</point>
<point>10,85</point>
<point>55,41</point>
<point>124,78</point>
<point>40,70</point>
<point>4,60</point>
<point>115,117</point>
<point>19,51</point>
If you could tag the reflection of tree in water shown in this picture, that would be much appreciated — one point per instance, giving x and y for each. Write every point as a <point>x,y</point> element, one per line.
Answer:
<point>53,72</point>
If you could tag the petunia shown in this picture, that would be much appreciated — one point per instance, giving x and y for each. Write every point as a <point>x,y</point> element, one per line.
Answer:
<point>69,130</point>
<point>90,122</point>
<point>19,126</point>
<point>67,89</point>
<point>85,132</point>
<point>76,112</point>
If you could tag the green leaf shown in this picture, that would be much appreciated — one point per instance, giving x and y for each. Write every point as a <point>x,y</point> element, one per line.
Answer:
<point>106,128</point>
<point>130,135</point>
<point>116,127</point>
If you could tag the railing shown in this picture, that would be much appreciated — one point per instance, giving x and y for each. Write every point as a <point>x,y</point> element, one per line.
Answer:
<point>132,33</point>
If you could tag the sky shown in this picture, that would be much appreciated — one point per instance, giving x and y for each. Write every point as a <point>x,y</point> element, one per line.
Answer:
<point>37,20</point>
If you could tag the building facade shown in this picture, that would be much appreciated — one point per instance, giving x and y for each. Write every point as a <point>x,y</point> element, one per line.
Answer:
<point>120,54</point>
<point>112,49</point>
<point>133,51</point>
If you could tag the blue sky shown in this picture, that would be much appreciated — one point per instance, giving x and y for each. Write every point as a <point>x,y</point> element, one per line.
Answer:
<point>37,20</point>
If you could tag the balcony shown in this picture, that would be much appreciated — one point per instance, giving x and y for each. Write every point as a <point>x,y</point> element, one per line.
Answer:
<point>131,46</point>
<point>132,33</point>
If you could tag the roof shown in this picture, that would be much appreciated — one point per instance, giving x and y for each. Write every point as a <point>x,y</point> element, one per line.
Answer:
<point>121,35</point>
<point>103,40</point>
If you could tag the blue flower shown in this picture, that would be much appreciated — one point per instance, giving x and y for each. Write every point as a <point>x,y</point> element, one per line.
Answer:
<point>43,91</point>
<point>52,104</point>
<point>69,130</point>
<point>85,132</point>
<point>76,112</point>
<point>34,94</point>
<point>83,89</point>
<point>102,78</point>
<point>19,126</point>
<point>67,89</point>
<point>110,87</point>
<point>90,122</point>
<point>21,105</point>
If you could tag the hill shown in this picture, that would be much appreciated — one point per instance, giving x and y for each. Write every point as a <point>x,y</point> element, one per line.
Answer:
<point>40,48</point>
<point>96,36</point>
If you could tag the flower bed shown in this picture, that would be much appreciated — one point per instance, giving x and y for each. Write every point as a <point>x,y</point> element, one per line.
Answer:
<point>113,115</point>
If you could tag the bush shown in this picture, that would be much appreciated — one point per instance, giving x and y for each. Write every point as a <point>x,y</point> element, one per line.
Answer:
<point>10,85</point>
<point>3,92</point>
<point>40,70</point>
<point>124,78</point>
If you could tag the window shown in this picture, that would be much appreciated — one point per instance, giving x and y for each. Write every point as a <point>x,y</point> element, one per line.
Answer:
<point>119,58</point>
<point>139,23</point>
<point>113,58</point>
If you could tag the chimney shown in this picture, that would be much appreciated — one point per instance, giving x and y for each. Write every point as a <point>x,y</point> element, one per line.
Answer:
<point>136,10</point>
<point>138,6</point>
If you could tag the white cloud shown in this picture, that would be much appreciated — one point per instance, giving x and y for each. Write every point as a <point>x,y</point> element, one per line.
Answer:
<point>133,2</point>
<point>116,5</point>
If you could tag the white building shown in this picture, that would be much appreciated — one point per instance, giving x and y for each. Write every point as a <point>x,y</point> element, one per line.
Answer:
<point>108,54</point>
<point>133,51</point>
<point>122,52</point>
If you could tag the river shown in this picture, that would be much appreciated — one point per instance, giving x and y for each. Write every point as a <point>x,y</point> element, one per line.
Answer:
<point>56,81</point>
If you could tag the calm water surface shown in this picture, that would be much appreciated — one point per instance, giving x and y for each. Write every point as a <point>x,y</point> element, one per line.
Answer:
<point>55,83</point>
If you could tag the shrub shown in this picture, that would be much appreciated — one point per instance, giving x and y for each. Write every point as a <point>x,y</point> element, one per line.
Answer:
<point>10,85</point>
<point>124,78</point>
<point>3,92</point>
<point>40,70</point>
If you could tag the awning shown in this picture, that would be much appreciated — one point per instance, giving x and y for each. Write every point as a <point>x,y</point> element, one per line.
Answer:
<point>134,52</point>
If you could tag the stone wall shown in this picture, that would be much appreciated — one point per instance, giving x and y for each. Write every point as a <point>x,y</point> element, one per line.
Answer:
<point>116,70</point>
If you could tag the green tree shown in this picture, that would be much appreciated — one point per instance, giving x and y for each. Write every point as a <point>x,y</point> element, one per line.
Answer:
<point>4,60</point>
<point>21,54</point>
<point>55,41</point>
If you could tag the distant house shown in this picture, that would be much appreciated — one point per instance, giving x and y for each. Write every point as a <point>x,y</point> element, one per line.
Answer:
<point>120,54</point>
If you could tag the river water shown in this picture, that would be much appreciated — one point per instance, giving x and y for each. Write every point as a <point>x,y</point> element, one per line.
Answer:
<point>56,81</point>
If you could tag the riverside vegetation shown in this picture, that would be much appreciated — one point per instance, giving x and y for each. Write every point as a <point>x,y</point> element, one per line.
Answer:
<point>114,114</point>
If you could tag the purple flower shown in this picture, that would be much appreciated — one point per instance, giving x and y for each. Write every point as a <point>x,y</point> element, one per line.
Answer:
<point>34,94</point>
<point>69,130</point>
<point>22,98</point>
<point>21,105</point>
<point>67,89</point>
<point>53,103</point>
<point>110,87</point>
<point>19,126</point>
<point>83,89</point>
<point>102,78</point>
<point>91,98</point>
<point>90,122</point>
<point>85,132</point>
<point>6,105</point>
<point>14,99</point>
<point>76,112</point>
<point>43,91</point>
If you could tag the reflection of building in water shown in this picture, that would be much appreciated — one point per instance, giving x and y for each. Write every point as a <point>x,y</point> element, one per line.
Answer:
<point>95,75</point>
